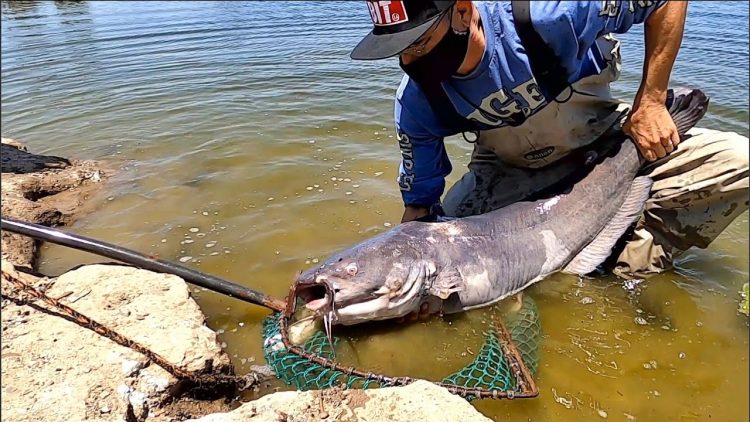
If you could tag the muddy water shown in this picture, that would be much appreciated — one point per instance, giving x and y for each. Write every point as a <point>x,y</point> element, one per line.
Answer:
<point>251,146</point>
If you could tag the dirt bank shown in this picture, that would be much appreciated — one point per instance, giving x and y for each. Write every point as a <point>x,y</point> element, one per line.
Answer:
<point>43,189</point>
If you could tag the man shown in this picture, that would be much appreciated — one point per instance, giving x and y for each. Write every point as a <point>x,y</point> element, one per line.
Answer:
<point>468,72</point>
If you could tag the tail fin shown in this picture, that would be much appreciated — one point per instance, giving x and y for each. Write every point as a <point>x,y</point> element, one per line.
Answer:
<point>687,107</point>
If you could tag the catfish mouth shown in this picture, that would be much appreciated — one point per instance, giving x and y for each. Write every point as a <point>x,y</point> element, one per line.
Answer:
<point>322,300</point>
<point>321,297</point>
<point>353,306</point>
<point>316,297</point>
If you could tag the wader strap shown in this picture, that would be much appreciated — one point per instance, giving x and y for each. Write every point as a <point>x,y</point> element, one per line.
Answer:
<point>545,64</point>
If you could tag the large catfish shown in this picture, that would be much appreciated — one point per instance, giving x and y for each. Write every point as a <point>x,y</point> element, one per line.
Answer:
<point>465,263</point>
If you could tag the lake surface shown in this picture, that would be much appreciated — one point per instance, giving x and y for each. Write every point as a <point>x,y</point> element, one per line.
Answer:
<point>249,122</point>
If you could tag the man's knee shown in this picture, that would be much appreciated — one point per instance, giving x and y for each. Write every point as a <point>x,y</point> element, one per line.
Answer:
<point>734,150</point>
<point>642,255</point>
<point>737,150</point>
<point>729,148</point>
<point>732,161</point>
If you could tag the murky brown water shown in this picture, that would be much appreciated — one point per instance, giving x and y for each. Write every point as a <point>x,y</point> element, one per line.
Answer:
<point>235,118</point>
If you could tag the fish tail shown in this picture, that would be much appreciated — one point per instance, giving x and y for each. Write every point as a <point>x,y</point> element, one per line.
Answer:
<point>687,107</point>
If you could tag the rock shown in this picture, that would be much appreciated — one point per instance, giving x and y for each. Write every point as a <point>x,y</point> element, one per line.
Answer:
<point>42,189</point>
<point>130,367</point>
<point>15,144</point>
<point>419,401</point>
<point>86,372</point>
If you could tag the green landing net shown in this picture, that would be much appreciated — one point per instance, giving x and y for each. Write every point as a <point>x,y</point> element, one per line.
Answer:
<point>490,370</point>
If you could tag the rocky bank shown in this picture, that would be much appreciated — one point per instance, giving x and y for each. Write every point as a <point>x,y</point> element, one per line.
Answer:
<point>42,189</point>
<point>421,401</point>
<point>53,369</point>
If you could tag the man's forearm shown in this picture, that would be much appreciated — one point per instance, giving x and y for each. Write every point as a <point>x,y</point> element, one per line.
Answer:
<point>663,33</point>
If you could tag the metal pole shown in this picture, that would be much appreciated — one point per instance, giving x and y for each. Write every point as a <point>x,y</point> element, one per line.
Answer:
<point>139,260</point>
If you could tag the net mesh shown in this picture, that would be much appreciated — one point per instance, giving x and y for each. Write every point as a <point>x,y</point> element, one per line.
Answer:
<point>489,369</point>
<point>300,372</point>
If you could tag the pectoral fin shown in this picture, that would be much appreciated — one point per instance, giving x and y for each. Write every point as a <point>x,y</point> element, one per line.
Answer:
<point>446,282</point>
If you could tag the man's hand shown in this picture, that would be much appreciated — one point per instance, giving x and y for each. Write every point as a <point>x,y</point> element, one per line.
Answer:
<point>412,213</point>
<point>652,129</point>
<point>649,123</point>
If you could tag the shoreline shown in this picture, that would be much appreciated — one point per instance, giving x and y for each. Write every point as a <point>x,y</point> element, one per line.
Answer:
<point>45,349</point>
<point>54,369</point>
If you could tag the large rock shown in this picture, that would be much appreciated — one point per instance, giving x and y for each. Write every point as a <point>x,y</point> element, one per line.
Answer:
<point>419,401</point>
<point>53,369</point>
<point>42,189</point>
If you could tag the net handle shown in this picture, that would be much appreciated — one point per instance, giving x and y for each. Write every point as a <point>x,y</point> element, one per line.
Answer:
<point>140,260</point>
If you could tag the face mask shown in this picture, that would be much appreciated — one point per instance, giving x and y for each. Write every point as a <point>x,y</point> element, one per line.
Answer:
<point>441,62</point>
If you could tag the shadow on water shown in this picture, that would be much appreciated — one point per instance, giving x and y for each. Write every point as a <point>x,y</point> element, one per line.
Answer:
<point>21,8</point>
<point>17,161</point>
<point>71,11</point>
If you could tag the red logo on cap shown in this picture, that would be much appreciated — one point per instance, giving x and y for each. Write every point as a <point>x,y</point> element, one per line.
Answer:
<point>385,13</point>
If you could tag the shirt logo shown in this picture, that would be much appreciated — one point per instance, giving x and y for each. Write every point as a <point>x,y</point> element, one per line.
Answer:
<point>539,153</point>
<point>386,13</point>
<point>406,170</point>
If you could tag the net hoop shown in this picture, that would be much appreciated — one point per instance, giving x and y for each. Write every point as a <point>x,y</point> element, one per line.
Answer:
<point>525,385</point>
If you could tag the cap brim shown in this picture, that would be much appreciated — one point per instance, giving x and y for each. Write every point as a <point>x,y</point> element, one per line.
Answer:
<point>374,47</point>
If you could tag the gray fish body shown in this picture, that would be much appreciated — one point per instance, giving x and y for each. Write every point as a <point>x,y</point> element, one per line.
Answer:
<point>504,251</point>
<point>465,263</point>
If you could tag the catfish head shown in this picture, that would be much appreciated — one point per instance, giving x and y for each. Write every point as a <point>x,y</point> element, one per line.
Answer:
<point>376,280</point>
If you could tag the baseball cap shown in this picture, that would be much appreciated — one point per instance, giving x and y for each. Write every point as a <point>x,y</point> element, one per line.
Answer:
<point>396,25</point>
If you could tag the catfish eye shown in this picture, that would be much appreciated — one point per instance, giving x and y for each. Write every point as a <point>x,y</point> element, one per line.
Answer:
<point>351,269</point>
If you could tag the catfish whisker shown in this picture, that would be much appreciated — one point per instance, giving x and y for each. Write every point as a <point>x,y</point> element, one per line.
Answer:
<point>327,323</point>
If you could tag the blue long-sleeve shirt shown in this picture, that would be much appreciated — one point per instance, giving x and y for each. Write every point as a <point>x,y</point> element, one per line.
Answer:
<point>502,84</point>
